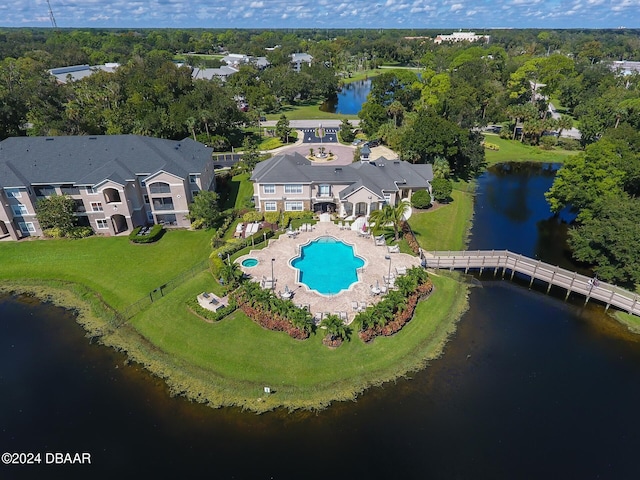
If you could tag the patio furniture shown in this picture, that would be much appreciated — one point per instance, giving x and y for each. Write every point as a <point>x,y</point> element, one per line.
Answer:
<point>363,306</point>
<point>380,241</point>
<point>212,302</point>
<point>401,270</point>
<point>342,316</point>
<point>393,248</point>
<point>354,305</point>
<point>341,225</point>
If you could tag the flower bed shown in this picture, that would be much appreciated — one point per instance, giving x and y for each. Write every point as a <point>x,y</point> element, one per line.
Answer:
<point>401,317</point>
<point>272,321</point>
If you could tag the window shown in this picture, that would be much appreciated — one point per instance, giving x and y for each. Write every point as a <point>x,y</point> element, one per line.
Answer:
<point>270,206</point>
<point>13,192</point>
<point>293,206</point>
<point>159,187</point>
<point>387,198</point>
<point>194,178</point>
<point>324,190</point>
<point>293,188</point>
<point>91,191</point>
<point>19,210</point>
<point>143,183</point>
<point>96,207</point>
<point>194,193</point>
<point>27,227</point>
<point>102,223</point>
<point>162,203</point>
<point>146,198</point>
<point>270,188</point>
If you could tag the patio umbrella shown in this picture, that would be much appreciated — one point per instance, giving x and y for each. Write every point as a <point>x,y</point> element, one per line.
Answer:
<point>364,227</point>
<point>286,289</point>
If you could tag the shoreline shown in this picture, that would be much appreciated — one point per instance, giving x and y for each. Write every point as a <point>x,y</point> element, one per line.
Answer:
<point>206,387</point>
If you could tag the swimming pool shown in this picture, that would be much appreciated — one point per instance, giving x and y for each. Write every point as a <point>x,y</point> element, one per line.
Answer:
<point>327,265</point>
<point>250,262</point>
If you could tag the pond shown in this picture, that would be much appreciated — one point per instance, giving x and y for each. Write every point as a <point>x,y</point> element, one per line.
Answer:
<point>349,100</point>
<point>529,387</point>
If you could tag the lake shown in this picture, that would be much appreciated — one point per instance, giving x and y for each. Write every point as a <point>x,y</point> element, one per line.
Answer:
<point>529,387</point>
<point>349,100</point>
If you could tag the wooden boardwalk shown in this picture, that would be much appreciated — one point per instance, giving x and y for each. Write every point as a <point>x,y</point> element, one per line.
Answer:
<point>506,261</point>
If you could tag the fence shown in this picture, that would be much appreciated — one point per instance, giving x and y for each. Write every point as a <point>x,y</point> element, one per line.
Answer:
<point>160,292</point>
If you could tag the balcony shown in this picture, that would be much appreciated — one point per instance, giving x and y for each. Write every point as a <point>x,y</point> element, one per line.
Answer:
<point>165,203</point>
<point>159,187</point>
<point>44,191</point>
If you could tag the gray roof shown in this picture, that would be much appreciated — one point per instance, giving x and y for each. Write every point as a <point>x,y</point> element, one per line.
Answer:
<point>380,176</point>
<point>78,72</point>
<point>88,160</point>
<point>301,57</point>
<point>209,73</point>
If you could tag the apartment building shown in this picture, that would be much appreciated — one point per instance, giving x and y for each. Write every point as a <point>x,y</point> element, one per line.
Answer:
<point>290,182</point>
<point>118,182</point>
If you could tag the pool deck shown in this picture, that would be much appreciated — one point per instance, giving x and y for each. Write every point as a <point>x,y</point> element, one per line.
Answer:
<point>285,248</point>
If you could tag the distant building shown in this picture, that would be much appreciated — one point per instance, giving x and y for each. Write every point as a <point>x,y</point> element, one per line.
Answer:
<point>78,72</point>
<point>222,73</point>
<point>625,68</point>
<point>461,37</point>
<point>236,60</point>
<point>118,182</point>
<point>298,59</point>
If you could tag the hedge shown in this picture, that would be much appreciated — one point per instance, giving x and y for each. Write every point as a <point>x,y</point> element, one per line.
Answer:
<point>154,235</point>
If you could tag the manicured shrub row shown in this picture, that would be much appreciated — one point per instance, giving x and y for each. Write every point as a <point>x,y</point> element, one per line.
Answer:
<point>231,248</point>
<point>408,235</point>
<point>74,232</point>
<point>271,312</point>
<point>400,318</point>
<point>154,234</point>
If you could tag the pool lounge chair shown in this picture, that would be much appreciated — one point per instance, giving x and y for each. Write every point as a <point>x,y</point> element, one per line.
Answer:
<point>354,305</point>
<point>342,316</point>
<point>401,270</point>
<point>393,248</point>
<point>380,241</point>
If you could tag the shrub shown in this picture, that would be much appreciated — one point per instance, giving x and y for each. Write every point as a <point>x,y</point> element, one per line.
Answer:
<point>80,232</point>
<point>154,234</point>
<point>490,146</point>
<point>568,143</point>
<point>548,142</point>
<point>421,199</point>
<point>272,217</point>
<point>252,217</point>
<point>208,314</point>
<point>441,188</point>
<point>54,232</point>
<point>288,216</point>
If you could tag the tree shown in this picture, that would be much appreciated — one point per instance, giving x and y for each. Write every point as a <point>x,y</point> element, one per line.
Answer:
<point>204,209</point>
<point>565,122</point>
<point>610,239</point>
<point>389,215</point>
<point>396,110</point>
<point>441,168</point>
<point>283,130</point>
<point>441,189</point>
<point>230,273</point>
<point>56,211</point>
<point>336,329</point>
<point>250,153</point>
<point>346,131</point>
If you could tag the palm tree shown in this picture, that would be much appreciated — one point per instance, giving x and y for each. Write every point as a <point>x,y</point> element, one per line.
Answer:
<point>336,327</point>
<point>390,215</point>
<point>396,109</point>
<point>231,273</point>
<point>205,116</point>
<point>191,125</point>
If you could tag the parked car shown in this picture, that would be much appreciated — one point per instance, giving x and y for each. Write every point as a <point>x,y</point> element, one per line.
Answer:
<point>373,143</point>
<point>357,142</point>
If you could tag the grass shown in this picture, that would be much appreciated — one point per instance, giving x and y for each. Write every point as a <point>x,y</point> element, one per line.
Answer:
<point>238,356</point>
<point>120,271</point>
<point>631,321</point>
<point>308,111</point>
<point>446,227</point>
<point>516,151</point>
<point>240,191</point>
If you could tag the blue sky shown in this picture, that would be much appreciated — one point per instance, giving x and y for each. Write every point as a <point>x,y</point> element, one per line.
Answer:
<point>445,14</point>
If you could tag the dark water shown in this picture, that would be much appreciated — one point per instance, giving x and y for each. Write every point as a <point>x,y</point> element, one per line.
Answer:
<point>530,387</point>
<point>349,100</point>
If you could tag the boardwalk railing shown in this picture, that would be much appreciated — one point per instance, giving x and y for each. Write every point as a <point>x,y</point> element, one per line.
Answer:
<point>536,270</point>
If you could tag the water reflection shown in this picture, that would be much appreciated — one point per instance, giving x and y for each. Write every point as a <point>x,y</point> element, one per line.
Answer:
<point>529,387</point>
<point>349,100</point>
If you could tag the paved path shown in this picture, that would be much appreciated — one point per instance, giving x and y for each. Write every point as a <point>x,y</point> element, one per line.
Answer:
<point>536,270</point>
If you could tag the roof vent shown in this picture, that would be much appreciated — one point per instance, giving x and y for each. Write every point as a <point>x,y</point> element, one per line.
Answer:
<point>93,138</point>
<point>396,163</point>
<point>338,170</point>
<point>49,139</point>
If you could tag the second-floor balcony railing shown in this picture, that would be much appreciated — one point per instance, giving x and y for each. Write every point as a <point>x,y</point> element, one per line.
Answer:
<point>44,192</point>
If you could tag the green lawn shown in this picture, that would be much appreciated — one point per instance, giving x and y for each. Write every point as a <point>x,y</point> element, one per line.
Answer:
<point>308,111</point>
<point>444,228</point>
<point>240,191</point>
<point>118,270</point>
<point>515,151</point>
<point>242,357</point>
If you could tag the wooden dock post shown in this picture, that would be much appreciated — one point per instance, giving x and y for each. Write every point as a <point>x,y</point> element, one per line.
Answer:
<point>575,274</point>
<point>551,281</point>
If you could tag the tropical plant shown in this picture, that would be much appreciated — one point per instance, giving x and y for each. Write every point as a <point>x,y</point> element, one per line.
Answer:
<point>389,216</point>
<point>336,329</point>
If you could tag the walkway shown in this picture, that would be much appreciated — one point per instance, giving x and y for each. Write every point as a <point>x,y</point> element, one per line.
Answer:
<point>284,249</point>
<point>536,270</point>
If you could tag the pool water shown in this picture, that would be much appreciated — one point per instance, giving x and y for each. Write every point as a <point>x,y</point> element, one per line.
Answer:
<point>327,265</point>
<point>250,262</point>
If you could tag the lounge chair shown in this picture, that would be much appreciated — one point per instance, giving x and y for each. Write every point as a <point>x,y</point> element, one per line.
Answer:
<point>343,316</point>
<point>341,225</point>
<point>380,241</point>
<point>363,306</point>
<point>354,305</point>
<point>393,248</point>
<point>401,270</point>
